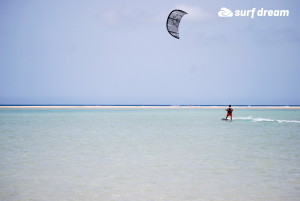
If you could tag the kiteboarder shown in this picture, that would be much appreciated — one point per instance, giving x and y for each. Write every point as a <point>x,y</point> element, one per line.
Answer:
<point>229,112</point>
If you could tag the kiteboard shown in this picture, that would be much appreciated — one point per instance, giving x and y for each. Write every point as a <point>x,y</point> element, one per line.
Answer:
<point>226,119</point>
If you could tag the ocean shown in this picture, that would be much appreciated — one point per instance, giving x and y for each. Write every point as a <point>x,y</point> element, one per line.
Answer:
<point>127,154</point>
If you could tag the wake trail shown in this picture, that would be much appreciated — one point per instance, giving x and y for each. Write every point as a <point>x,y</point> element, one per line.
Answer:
<point>258,119</point>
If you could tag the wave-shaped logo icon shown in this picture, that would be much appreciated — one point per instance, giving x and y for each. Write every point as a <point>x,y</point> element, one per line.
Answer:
<point>225,12</point>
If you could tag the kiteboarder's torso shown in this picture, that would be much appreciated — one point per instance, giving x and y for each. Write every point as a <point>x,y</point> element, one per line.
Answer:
<point>229,110</point>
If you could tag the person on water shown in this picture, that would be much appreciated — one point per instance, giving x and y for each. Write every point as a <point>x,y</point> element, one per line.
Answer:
<point>229,112</point>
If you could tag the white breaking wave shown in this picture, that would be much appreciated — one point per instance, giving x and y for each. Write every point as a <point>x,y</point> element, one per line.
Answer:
<point>253,119</point>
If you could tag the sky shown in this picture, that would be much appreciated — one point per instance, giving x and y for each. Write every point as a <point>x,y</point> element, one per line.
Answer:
<point>119,52</point>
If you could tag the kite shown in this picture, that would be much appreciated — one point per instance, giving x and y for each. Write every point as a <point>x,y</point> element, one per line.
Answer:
<point>173,22</point>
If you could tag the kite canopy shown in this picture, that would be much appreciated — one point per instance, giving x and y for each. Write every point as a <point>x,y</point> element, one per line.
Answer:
<point>173,22</point>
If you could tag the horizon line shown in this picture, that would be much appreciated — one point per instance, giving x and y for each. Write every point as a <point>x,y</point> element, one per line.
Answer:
<point>243,105</point>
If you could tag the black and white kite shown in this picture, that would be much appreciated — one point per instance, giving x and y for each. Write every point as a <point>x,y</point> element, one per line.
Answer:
<point>173,22</point>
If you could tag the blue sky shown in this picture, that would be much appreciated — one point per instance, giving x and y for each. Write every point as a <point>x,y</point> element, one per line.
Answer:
<point>119,52</point>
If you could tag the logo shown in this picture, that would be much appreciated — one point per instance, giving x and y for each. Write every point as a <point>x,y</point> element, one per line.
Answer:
<point>225,12</point>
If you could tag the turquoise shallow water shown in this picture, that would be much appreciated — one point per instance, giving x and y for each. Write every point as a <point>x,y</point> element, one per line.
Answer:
<point>149,154</point>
